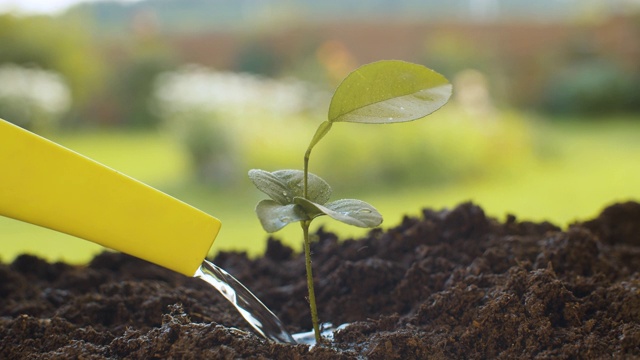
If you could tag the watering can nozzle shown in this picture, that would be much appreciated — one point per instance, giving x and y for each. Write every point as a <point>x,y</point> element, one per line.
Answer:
<point>46,184</point>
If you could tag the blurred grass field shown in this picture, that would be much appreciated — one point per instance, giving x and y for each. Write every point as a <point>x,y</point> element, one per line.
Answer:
<point>569,171</point>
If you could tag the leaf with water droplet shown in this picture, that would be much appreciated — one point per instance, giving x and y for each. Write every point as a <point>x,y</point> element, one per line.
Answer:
<point>284,185</point>
<point>271,185</point>
<point>389,91</point>
<point>274,216</point>
<point>318,190</point>
<point>349,211</point>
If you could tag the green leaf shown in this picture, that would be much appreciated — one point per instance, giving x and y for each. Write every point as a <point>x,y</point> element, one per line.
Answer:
<point>322,130</point>
<point>274,216</point>
<point>349,211</point>
<point>284,185</point>
<point>271,185</point>
<point>389,91</point>
<point>318,190</point>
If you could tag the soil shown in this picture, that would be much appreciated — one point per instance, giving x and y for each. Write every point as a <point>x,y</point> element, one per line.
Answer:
<point>451,284</point>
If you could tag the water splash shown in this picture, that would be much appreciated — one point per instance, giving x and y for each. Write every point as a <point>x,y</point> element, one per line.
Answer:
<point>327,330</point>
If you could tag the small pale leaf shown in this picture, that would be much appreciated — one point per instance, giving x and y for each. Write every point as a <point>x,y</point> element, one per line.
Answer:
<point>349,211</point>
<point>274,216</point>
<point>271,185</point>
<point>389,91</point>
<point>319,190</point>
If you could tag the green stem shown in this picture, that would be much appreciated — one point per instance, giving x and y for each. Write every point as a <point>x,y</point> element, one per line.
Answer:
<point>312,294</point>
<point>322,130</point>
<point>305,188</point>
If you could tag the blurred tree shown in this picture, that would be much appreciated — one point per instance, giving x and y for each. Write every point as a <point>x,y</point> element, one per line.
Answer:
<point>135,62</point>
<point>215,158</point>
<point>132,86</point>
<point>61,47</point>
<point>592,79</point>
<point>452,53</point>
<point>257,58</point>
<point>32,98</point>
<point>592,87</point>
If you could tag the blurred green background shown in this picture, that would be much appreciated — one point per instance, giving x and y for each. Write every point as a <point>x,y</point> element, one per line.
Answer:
<point>188,95</point>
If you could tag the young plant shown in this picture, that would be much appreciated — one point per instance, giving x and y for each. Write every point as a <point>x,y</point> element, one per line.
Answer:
<point>382,92</point>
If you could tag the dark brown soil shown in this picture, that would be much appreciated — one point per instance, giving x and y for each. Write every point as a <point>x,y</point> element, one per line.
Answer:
<point>450,284</point>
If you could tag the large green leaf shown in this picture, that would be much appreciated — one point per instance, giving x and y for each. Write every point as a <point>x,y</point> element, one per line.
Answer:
<point>284,185</point>
<point>389,91</point>
<point>349,211</point>
<point>274,216</point>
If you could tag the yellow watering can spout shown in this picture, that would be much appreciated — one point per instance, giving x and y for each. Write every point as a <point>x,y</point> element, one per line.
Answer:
<point>45,184</point>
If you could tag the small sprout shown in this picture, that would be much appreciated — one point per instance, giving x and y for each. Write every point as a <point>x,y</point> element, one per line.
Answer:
<point>382,92</point>
<point>287,204</point>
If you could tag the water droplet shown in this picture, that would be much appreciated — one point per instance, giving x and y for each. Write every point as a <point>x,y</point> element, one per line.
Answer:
<point>365,210</point>
<point>390,119</point>
<point>285,219</point>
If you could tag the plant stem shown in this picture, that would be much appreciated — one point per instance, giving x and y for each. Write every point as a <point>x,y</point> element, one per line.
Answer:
<point>312,294</point>
<point>320,133</point>
<point>307,154</point>
<point>322,130</point>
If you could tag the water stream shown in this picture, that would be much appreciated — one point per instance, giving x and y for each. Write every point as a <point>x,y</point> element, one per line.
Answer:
<point>263,321</point>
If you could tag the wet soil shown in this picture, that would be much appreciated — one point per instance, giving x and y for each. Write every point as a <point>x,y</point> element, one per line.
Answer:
<point>451,284</point>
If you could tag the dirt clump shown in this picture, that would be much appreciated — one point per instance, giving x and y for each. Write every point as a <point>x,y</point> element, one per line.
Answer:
<point>447,284</point>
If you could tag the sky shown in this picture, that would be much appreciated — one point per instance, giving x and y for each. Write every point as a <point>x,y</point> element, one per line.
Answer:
<point>57,6</point>
<point>39,6</point>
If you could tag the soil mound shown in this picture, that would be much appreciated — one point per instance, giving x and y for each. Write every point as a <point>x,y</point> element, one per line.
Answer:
<point>448,284</point>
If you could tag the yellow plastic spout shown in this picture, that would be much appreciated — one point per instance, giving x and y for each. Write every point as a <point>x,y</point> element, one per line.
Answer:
<point>45,184</point>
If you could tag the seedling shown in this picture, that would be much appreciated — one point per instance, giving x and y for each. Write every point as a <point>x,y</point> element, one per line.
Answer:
<point>382,92</point>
